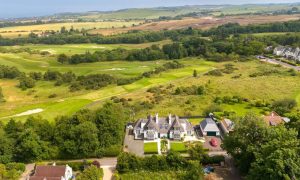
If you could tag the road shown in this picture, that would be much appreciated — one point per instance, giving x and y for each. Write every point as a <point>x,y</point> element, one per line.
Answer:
<point>107,164</point>
<point>274,61</point>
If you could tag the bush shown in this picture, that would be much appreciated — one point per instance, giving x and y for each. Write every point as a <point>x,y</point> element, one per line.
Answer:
<point>215,72</point>
<point>284,106</point>
<point>26,82</point>
<point>213,159</point>
<point>52,96</point>
<point>17,166</point>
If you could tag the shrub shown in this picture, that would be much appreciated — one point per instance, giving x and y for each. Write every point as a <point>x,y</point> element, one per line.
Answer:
<point>213,159</point>
<point>52,96</point>
<point>215,72</point>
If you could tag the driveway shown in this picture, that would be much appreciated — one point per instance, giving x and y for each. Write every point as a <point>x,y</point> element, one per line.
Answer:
<point>133,146</point>
<point>211,148</point>
<point>274,61</point>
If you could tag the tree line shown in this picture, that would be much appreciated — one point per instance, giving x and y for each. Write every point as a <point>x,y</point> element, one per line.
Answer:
<point>84,135</point>
<point>92,81</point>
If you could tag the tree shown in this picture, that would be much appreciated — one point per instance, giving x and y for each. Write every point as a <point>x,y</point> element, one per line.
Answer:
<point>91,173</point>
<point>110,121</point>
<point>194,172</point>
<point>62,58</point>
<point>284,106</point>
<point>197,152</point>
<point>29,147</point>
<point>1,95</point>
<point>279,157</point>
<point>195,73</point>
<point>26,82</point>
<point>6,148</point>
<point>264,152</point>
<point>248,134</point>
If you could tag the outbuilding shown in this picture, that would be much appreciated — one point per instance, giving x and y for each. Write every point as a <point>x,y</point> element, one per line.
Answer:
<point>209,127</point>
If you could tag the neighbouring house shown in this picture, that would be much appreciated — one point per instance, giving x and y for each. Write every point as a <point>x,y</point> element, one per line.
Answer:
<point>287,52</point>
<point>171,127</point>
<point>273,119</point>
<point>209,127</point>
<point>52,173</point>
<point>226,125</point>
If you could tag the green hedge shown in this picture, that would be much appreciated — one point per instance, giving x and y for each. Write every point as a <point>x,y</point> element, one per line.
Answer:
<point>213,159</point>
<point>76,166</point>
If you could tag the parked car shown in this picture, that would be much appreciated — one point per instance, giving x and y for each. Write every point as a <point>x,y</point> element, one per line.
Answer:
<point>208,170</point>
<point>214,142</point>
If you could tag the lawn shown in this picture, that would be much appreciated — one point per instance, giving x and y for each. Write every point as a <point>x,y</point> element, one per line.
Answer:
<point>150,148</point>
<point>178,147</point>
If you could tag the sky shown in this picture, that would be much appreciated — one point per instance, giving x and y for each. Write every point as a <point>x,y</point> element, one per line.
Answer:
<point>27,8</point>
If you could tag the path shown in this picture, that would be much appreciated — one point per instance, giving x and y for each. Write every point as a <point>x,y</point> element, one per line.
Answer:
<point>274,61</point>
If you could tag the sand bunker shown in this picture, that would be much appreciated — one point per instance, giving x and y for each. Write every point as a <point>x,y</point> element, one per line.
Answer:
<point>115,69</point>
<point>29,112</point>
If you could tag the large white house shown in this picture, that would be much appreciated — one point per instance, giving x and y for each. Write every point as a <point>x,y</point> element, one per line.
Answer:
<point>156,127</point>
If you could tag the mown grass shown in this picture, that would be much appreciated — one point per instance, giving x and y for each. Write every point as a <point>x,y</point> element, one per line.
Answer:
<point>178,147</point>
<point>70,49</point>
<point>150,148</point>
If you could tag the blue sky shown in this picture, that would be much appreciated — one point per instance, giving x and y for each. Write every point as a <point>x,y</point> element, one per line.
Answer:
<point>22,8</point>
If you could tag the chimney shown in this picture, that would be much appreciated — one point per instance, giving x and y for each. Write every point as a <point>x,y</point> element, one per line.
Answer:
<point>156,118</point>
<point>170,118</point>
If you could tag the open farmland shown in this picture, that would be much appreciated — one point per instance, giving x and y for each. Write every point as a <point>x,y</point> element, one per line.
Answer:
<point>200,23</point>
<point>12,32</point>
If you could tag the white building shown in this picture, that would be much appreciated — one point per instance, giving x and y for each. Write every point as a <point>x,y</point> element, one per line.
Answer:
<point>156,127</point>
<point>209,127</point>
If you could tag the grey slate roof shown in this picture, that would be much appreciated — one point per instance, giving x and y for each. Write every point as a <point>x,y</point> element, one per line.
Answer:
<point>208,124</point>
<point>164,124</point>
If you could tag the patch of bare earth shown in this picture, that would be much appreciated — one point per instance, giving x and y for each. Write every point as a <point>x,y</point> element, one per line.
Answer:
<point>200,23</point>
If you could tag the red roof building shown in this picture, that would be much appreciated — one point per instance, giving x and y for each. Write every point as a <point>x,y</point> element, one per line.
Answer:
<point>52,173</point>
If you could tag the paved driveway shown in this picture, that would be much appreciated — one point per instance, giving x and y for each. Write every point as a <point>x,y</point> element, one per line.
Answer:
<point>133,146</point>
<point>209,146</point>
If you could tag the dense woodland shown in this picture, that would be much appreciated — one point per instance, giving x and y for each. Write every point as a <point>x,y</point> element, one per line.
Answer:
<point>85,134</point>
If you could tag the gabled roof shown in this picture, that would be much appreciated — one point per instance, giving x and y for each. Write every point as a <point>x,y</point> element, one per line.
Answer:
<point>227,124</point>
<point>208,124</point>
<point>273,119</point>
<point>164,124</point>
<point>48,172</point>
<point>151,124</point>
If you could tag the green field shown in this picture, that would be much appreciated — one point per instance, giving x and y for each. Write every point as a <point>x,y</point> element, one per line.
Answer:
<point>150,148</point>
<point>178,147</point>
<point>70,49</point>
<point>18,101</point>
